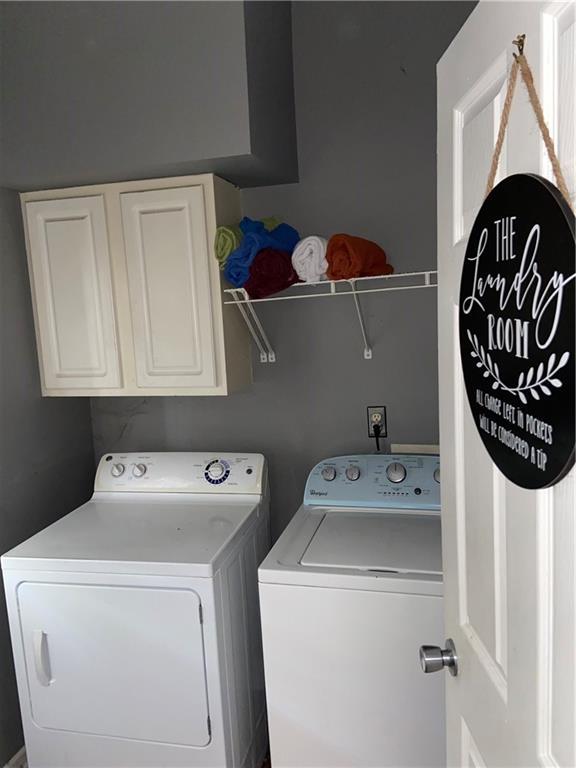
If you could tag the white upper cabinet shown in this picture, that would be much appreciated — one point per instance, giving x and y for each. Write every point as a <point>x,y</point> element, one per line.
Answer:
<point>126,289</point>
<point>168,276</point>
<point>72,291</point>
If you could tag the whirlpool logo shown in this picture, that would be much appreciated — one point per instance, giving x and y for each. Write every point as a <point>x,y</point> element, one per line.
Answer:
<point>318,493</point>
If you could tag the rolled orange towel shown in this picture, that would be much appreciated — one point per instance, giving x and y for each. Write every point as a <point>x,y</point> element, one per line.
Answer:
<point>349,256</point>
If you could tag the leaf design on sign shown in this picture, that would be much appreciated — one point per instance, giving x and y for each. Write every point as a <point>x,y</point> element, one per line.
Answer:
<point>531,381</point>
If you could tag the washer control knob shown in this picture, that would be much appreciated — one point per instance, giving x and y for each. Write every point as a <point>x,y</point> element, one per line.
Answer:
<point>437,474</point>
<point>139,470</point>
<point>396,472</point>
<point>329,473</point>
<point>216,470</point>
<point>117,470</point>
<point>353,472</point>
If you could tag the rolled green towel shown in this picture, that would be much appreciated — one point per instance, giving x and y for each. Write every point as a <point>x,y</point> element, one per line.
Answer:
<point>229,237</point>
<point>227,240</point>
<point>270,222</point>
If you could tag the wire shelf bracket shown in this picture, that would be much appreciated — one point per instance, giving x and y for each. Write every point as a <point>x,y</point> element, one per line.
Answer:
<point>402,281</point>
<point>241,299</point>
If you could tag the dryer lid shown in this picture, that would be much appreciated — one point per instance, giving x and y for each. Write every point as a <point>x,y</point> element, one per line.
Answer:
<point>372,541</point>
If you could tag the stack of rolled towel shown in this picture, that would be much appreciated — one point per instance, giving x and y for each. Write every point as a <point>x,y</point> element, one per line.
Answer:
<point>343,257</point>
<point>265,257</point>
<point>256,255</point>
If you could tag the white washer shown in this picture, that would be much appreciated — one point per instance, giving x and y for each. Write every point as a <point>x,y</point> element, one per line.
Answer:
<point>348,594</point>
<point>135,620</point>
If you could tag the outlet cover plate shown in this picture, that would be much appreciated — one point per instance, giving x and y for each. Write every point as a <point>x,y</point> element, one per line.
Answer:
<point>377,415</point>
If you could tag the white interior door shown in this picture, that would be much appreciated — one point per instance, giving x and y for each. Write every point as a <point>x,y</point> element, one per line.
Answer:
<point>72,292</point>
<point>508,552</point>
<point>169,277</point>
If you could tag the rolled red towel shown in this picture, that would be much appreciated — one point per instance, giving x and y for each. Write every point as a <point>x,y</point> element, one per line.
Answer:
<point>349,256</point>
<point>270,272</point>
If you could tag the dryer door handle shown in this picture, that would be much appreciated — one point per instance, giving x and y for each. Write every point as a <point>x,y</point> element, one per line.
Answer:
<point>41,657</point>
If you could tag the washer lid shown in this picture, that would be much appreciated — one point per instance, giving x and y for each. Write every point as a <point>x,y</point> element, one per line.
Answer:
<point>168,534</point>
<point>377,542</point>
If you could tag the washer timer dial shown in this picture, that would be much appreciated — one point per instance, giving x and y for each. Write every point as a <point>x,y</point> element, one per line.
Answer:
<point>396,472</point>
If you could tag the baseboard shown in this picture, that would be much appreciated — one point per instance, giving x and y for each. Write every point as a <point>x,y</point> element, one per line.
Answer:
<point>18,760</point>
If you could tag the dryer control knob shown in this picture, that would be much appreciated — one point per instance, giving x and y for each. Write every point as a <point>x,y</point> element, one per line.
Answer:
<point>139,470</point>
<point>353,472</point>
<point>396,472</point>
<point>329,473</point>
<point>437,474</point>
<point>117,470</point>
<point>216,470</point>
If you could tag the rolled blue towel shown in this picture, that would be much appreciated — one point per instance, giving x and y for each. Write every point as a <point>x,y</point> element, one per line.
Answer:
<point>256,226</point>
<point>281,238</point>
<point>285,237</point>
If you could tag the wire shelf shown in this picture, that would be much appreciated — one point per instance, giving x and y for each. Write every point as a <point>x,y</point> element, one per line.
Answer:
<point>401,281</point>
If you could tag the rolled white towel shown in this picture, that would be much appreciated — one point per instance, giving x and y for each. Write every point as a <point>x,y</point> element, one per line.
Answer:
<point>309,259</point>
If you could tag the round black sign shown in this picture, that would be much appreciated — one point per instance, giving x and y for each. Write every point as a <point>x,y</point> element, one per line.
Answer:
<point>517,329</point>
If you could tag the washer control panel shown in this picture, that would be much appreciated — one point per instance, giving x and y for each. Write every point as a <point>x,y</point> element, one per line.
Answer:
<point>181,472</point>
<point>394,481</point>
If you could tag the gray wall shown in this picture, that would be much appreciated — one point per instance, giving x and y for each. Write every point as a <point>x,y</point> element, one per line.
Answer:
<point>268,27</point>
<point>46,457</point>
<point>366,123</point>
<point>98,91</point>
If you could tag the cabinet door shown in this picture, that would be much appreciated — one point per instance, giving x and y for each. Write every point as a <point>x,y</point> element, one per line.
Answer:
<point>169,279</point>
<point>72,292</point>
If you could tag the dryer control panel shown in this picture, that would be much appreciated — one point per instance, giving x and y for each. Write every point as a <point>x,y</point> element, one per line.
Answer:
<point>184,472</point>
<point>384,481</point>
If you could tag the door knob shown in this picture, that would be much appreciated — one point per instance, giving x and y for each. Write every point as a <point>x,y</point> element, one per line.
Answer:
<point>433,658</point>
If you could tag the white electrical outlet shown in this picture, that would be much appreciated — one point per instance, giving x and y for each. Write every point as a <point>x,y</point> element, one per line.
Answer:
<point>377,415</point>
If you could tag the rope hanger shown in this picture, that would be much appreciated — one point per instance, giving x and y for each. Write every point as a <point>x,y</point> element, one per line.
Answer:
<point>521,64</point>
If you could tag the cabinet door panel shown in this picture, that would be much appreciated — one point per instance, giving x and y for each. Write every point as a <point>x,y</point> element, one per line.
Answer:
<point>72,289</point>
<point>168,274</point>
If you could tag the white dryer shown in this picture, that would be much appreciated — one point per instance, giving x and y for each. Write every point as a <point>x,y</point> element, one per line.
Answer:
<point>348,594</point>
<point>135,620</point>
